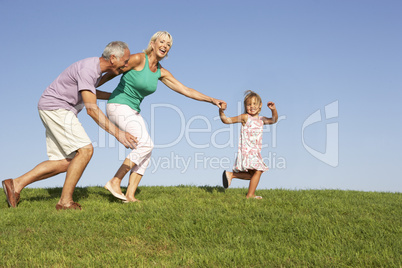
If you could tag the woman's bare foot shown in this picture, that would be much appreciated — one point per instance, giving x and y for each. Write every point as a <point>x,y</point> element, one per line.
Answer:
<point>115,190</point>
<point>131,200</point>
<point>254,197</point>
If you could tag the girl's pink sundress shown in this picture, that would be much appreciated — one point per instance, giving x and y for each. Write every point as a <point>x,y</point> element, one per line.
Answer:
<point>250,145</point>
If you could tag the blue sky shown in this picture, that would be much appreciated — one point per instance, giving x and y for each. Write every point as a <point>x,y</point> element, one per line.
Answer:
<point>333,68</point>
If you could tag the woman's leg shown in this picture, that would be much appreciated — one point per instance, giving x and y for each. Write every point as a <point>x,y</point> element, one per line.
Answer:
<point>133,182</point>
<point>131,121</point>
<point>115,182</point>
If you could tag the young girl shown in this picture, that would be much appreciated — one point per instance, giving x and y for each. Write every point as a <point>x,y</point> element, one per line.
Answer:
<point>249,164</point>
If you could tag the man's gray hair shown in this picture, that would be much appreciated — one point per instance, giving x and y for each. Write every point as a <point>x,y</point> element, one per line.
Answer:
<point>115,48</point>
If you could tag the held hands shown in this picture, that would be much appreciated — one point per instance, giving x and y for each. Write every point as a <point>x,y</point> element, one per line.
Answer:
<point>218,103</point>
<point>128,140</point>
<point>223,106</point>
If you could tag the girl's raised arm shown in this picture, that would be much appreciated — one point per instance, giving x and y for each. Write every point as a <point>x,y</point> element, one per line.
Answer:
<point>274,118</point>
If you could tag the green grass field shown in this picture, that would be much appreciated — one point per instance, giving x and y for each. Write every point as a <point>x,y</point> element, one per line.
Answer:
<point>188,226</point>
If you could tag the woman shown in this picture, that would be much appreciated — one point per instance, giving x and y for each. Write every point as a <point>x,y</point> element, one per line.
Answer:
<point>140,79</point>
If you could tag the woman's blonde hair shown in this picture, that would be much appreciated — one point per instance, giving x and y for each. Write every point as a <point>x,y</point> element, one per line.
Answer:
<point>153,39</point>
<point>248,96</point>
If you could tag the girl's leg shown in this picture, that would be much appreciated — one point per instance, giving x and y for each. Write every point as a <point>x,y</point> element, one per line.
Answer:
<point>115,182</point>
<point>255,179</point>
<point>237,175</point>
<point>133,182</point>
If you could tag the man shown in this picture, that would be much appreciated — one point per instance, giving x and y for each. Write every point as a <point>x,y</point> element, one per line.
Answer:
<point>68,146</point>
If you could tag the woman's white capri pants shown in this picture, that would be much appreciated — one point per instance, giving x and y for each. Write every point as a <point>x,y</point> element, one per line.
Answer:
<point>131,121</point>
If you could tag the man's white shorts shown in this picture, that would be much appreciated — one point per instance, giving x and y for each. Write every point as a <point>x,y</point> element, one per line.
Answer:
<point>64,133</point>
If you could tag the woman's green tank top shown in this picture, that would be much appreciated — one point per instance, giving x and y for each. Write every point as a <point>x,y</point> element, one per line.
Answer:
<point>135,85</point>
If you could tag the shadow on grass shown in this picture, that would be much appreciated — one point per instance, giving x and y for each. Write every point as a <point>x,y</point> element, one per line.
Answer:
<point>106,194</point>
<point>55,193</point>
<point>79,194</point>
<point>211,189</point>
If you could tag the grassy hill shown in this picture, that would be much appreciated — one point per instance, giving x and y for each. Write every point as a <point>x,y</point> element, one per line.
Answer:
<point>188,226</point>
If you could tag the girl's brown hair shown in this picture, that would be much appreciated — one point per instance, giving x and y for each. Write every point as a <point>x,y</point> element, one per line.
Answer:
<point>248,96</point>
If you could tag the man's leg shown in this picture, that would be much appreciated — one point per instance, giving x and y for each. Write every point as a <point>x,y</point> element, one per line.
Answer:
<point>74,173</point>
<point>42,171</point>
<point>46,169</point>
